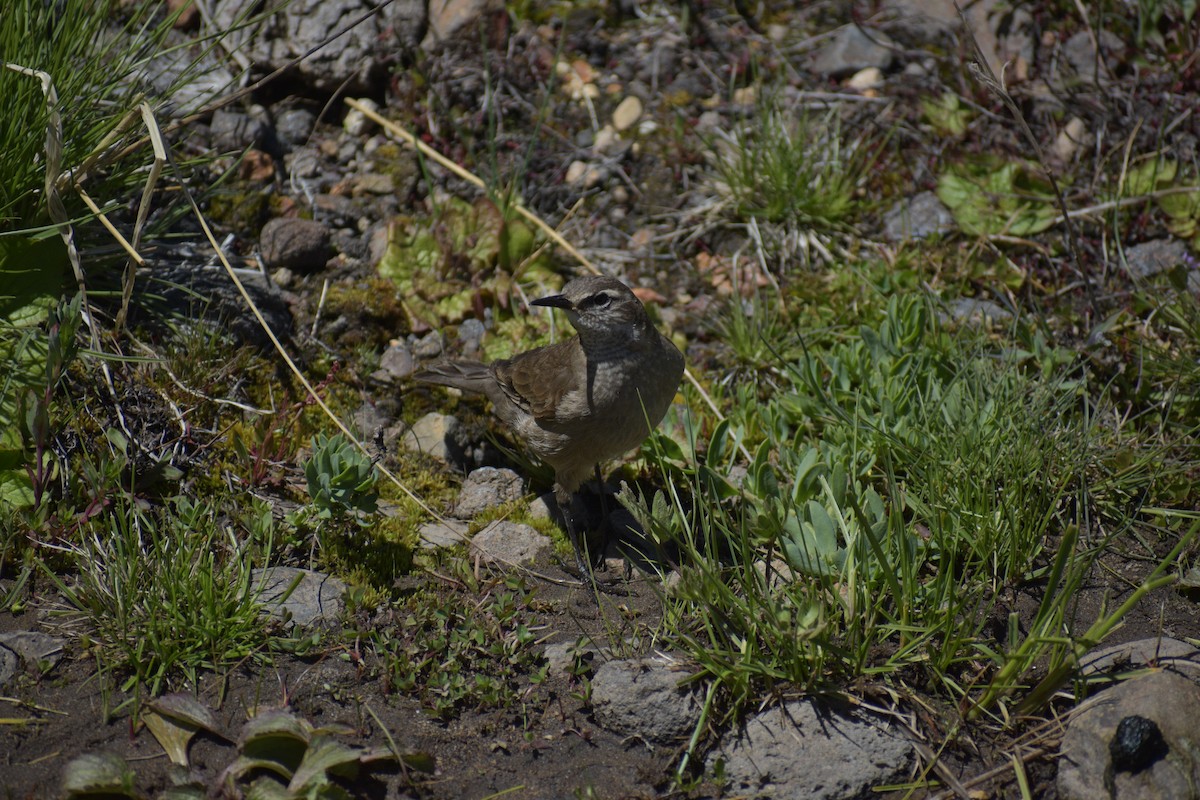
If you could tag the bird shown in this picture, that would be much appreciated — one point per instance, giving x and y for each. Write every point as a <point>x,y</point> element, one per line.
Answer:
<point>580,402</point>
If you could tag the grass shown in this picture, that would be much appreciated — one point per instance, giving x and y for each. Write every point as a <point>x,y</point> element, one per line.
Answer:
<point>907,479</point>
<point>165,595</point>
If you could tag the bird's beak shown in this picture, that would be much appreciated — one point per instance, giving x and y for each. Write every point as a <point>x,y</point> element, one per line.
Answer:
<point>553,301</point>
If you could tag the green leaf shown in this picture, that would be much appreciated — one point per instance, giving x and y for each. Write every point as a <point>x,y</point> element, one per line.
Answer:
<point>324,757</point>
<point>94,775</point>
<point>987,197</point>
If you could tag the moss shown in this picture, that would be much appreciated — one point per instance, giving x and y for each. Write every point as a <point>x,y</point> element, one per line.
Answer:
<point>239,210</point>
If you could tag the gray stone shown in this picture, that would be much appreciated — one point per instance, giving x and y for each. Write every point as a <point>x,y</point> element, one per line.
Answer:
<point>438,435</point>
<point>428,346</point>
<point>353,62</point>
<point>301,245</point>
<point>442,533</point>
<point>852,49</point>
<point>190,83</point>
<point>486,488</point>
<point>560,657</point>
<point>233,130</point>
<point>1172,703</point>
<point>923,21</point>
<point>470,334</point>
<point>808,750</point>
<point>397,362</point>
<point>316,598</point>
<point>916,218</point>
<point>294,126</point>
<point>505,543</point>
<point>9,664</point>
<point>1164,651</point>
<point>974,310</point>
<point>1080,52</point>
<point>642,697</point>
<point>1150,258</point>
<point>34,647</point>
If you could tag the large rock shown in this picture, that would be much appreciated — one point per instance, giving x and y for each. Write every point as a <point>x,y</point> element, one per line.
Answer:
<point>353,62</point>
<point>808,750</point>
<point>1138,740</point>
<point>643,697</point>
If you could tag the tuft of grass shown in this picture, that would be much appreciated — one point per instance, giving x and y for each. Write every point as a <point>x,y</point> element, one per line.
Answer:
<point>788,166</point>
<point>164,594</point>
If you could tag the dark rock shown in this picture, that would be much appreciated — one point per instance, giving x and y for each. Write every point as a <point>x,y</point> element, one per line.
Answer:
<point>233,130</point>
<point>301,245</point>
<point>1137,744</point>
<point>353,62</point>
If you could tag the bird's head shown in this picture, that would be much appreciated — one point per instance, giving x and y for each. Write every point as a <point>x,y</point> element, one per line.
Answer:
<point>600,308</point>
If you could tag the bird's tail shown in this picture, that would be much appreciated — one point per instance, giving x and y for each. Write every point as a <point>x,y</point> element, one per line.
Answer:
<point>470,376</point>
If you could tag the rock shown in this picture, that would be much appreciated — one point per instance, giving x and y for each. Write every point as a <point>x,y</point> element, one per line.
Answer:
<point>975,311</point>
<point>438,435</point>
<point>301,245</point>
<point>294,126</point>
<point>916,218</point>
<point>9,664</point>
<point>428,346</point>
<point>34,647</point>
<point>1165,652</point>
<point>1111,747</point>
<point>449,17</point>
<point>1080,53</point>
<point>316,599</point>
<point>921,21</point>
<point>642,697</point>
<point>808,750</point>
<point>1150,258</point>
<point>206,79</point>
<point>1069,139</point>
<point>851,50</point>
<point>353,62</point>
<point>470,335</point>
<point>356,123</point>
<point>627,113</point>
<point>396,362</point>
<point>561,657</point>
<point>442,533</point>
<point>505,543</point>
<point>486,488</point>
<point>37,651</point>
<point>233,130</point>
<point>866,79</point>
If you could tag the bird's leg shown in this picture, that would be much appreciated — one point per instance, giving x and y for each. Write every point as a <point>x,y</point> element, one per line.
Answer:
<point>577,543</point>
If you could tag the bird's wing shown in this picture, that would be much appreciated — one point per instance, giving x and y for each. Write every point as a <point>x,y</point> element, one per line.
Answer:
<point>537,381</point>
<point>470,376</point>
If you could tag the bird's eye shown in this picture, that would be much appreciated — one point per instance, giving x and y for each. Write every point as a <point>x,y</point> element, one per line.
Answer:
<point>600,300</point>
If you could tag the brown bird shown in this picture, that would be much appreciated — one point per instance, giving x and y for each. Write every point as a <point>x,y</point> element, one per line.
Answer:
<point>586,400</point>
